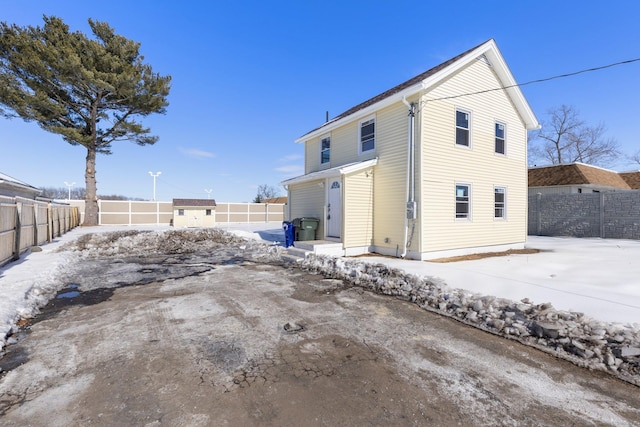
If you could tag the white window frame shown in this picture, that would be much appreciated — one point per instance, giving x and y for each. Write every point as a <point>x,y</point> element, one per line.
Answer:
<point>321,140</point>
<point>469,123</point>
<point>375,125</point>
<point>497,189</point>
<point>469,193</point>
<point>504,137</point>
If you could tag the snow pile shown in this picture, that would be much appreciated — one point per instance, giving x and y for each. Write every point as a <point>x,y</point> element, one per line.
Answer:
<point>168,242</point>
<point>589,343</point>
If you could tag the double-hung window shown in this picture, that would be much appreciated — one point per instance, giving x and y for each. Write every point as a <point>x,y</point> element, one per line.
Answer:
<point>463,201</point>
<point>463,122</point>
<point>500,138</point>
<point>367,135</point>
<point>500,202</point>
<point>325,149</point>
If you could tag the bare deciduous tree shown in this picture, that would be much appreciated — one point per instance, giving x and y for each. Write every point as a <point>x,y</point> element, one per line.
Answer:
<point>565,138</point>
<point>635,157</point>
<point>265,192</point>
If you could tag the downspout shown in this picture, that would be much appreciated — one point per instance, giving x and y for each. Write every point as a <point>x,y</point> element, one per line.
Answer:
<point>411,204</point>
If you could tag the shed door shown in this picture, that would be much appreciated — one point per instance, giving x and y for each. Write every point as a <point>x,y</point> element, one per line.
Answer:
<point>334,210</point>
<point>194,218</point>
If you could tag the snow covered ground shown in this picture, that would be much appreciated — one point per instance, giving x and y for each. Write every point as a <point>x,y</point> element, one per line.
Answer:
<point>598,277</point>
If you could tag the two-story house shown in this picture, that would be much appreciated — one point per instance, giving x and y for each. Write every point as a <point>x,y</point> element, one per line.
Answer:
<point>433,167</point>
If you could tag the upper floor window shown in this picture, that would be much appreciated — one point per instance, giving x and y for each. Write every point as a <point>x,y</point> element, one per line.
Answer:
<point>462,128</point>
<point>500,200</point>
<point>367,135</point>
<point>463,201</point>
<point>500,138</point>
<point>325,149</point>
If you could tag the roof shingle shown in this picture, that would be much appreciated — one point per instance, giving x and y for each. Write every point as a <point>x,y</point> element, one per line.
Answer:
<point>575,174</point>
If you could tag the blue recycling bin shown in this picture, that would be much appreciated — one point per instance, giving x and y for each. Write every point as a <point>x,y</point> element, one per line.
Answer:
<point>289,233</point>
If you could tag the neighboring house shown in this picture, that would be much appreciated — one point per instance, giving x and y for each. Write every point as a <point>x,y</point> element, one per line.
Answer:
<point>11,187</point>
<point>632,179</point>
<point>194,213</point>
<point>436,166</point>
<point>276,200</point>
<point>574,178</point>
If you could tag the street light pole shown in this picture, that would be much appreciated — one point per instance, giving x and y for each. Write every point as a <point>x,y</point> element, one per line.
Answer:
<point>208,193</point>
<point>154,182</point>
<point>69,185</point>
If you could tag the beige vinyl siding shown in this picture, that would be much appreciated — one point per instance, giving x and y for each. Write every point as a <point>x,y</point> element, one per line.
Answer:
<point>312,155</point>
<point>444,164</point>
<point>344,145</point>
<point>344,148</point>
<point>358,210</point>
<point>308,200</point>
<point>390,177</point>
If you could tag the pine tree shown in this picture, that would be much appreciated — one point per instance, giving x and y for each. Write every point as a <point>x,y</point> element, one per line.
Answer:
<point>91,91</point>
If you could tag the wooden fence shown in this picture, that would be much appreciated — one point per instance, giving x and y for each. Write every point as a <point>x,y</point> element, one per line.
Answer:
<point>125,212</point>
<point>25,223</point>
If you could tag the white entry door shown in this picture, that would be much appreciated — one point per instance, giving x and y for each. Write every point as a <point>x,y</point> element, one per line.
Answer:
<point>334,209</point>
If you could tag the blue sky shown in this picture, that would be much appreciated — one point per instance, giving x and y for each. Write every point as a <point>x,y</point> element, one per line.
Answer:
<point>250,77</point>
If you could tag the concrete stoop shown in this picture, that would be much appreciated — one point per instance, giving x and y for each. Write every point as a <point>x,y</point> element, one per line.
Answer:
<point>301,248</point>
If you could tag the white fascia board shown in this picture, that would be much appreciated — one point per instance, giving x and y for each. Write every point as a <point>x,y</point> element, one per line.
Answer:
<point>504,74</point>
<point>397,97</point>
<point>328,173</point>
<point>489,49</point>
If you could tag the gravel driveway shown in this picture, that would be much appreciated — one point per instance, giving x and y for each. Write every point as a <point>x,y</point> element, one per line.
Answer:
<point>164,333</point>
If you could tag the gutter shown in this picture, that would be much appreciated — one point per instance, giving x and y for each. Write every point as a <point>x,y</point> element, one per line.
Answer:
<point>411,189</point>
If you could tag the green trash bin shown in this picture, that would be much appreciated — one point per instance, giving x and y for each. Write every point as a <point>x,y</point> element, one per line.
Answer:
<point>305,228</point>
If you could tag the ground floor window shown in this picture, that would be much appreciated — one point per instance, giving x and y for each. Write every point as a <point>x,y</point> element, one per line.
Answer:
<point>500,200</point>
<point>463,201</point>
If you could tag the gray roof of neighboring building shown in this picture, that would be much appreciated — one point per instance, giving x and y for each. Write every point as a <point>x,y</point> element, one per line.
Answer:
<point>16,183</point>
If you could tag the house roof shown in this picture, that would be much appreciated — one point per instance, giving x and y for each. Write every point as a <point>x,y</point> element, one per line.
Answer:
<point>194,203</point>
<point>632,179</point>
<point>575,174</point>
<point>431,78</point>
<point>328,173</point>
<point>282,200</point>
<point>8,181</point>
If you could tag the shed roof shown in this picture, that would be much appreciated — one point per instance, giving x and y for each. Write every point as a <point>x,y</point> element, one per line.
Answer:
<point>632,179</point>
<point>282,200</point>
<point>575,174</point>
<point>194,203</point>
<point>433,76</point>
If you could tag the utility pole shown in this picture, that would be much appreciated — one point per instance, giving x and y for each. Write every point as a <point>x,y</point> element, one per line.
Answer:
<point>69,185</point>
<point>154,182</point>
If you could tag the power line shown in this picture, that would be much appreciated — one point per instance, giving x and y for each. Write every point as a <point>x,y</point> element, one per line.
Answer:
<point>588,70</point>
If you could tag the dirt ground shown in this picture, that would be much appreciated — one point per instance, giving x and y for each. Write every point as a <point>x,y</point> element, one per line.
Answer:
<point>192,342</point>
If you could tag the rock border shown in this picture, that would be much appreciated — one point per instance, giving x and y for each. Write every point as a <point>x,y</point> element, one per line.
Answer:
<point>613,348</point>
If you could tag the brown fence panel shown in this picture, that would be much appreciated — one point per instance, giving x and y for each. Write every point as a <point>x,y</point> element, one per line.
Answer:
<point>42,224</point>
<point>8,228</point>
<point>25,223</point>
<point>27,226</point>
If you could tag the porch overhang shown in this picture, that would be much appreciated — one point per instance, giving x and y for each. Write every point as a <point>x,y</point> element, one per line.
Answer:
<point>332,172</point>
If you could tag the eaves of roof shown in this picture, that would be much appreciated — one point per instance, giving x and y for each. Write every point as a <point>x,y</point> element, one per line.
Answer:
<point>431,78</point>
<point>335,171</point>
